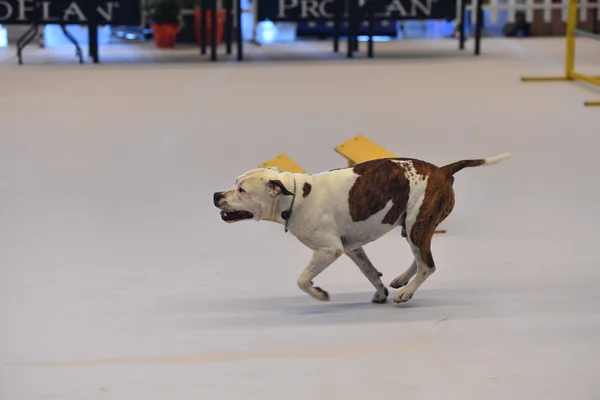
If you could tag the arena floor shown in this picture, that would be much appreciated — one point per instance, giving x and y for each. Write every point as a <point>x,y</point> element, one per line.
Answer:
<point>118,280</point>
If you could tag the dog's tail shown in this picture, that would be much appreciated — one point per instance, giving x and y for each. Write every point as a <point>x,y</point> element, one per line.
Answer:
<point>453,168</point>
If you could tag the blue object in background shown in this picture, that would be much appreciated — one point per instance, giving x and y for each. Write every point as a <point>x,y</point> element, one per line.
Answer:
<point>3,37</point>
<point>266,32</point>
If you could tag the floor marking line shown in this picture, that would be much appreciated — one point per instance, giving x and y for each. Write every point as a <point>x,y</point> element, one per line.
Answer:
<point>223,357</point>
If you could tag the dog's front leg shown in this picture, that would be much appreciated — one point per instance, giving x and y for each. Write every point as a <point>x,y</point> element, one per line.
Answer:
<point>321,259</point>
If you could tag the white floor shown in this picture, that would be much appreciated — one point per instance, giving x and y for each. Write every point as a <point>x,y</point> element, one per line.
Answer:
<point>118,280</point>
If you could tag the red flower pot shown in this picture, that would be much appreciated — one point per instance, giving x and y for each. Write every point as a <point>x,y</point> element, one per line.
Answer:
<point>220,25</point>
<point>165,35</point>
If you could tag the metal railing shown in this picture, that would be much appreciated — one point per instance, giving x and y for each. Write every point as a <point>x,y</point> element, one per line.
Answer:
<point>570,73</point>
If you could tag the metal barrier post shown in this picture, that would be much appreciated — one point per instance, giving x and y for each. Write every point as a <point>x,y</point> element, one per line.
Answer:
<point>571,26</point>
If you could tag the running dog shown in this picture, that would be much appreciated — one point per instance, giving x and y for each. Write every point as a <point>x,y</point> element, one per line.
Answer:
<point>340,211</point>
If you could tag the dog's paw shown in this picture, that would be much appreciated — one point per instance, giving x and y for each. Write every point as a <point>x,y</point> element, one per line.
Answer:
<point>399,282</point>
<point>380,296</point>
<point>319,294</point>
<point>403,296</point>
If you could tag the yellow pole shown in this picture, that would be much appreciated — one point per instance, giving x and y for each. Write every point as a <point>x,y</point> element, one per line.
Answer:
<point>571,25</point>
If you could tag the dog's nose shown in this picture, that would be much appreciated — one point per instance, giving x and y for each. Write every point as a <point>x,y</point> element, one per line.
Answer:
<point>216,197</point>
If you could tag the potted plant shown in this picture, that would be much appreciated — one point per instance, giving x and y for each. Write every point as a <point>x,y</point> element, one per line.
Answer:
<point>165,21</point>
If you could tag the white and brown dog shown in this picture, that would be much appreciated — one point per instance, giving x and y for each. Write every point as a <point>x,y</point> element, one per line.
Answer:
<point>339,211</point>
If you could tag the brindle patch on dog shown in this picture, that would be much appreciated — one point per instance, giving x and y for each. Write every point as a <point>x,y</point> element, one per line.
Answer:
<point>383,180</point>
<point>306,189</point>
<point>437,204</point>
<point>379,181</point>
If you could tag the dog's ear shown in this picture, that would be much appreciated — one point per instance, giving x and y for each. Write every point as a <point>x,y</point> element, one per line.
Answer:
<point>278,188</point>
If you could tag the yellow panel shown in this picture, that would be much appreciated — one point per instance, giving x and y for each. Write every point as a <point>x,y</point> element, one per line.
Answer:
<point>360,149</point>
<point>284,163</point>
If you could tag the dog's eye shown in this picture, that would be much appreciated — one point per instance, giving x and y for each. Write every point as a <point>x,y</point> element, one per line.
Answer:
<point>241,190</point>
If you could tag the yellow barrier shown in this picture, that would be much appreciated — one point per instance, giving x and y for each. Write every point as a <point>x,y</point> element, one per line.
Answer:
<point>360,149</point>
<point>570,74</point>
<point>284,163</point>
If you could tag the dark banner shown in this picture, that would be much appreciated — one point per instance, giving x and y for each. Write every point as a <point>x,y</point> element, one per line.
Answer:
<point>318,10</point>
<point>76,12</point>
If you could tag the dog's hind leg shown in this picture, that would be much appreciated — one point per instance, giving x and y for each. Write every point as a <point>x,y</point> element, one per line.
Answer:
<point>370,272</point>
<point>405,277</point>
<point>433,210</point>
<point>421,248</point>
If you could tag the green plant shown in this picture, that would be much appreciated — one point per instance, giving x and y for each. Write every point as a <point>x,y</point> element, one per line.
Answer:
<point>165,11</point>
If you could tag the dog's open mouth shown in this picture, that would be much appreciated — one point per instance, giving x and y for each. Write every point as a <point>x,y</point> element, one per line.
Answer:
<point>233,216</point>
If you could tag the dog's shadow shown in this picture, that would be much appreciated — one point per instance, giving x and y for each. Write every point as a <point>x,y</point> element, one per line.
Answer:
<point>345,308</point>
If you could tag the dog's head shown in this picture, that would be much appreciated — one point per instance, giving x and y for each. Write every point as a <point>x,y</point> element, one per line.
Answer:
<point>256,195</point>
